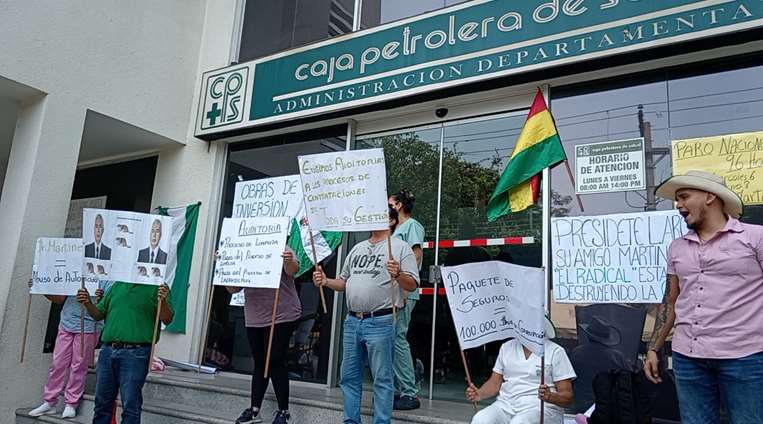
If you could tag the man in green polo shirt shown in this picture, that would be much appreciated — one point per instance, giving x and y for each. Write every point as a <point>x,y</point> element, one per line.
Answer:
<point>129,310</point>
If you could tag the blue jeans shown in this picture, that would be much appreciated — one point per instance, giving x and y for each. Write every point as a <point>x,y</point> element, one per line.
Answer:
<point>122,370</point>
<point>372,338</point>
<point>703,384</point>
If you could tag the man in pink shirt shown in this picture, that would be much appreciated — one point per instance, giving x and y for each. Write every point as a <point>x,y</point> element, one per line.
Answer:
<point>714,297</point>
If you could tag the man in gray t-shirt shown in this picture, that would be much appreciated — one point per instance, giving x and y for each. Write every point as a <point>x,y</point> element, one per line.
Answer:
<point>372,282</point>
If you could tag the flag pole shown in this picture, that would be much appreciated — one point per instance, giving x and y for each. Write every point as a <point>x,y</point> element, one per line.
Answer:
<point>572,180</point>
<point>153,337</point>
<point>82,323</point>
<point>468,375</point>
<point>26,327</point>
<point>542,382</point>
<point>393,295</point>
<point>272,329</point>
<point>315,263</point>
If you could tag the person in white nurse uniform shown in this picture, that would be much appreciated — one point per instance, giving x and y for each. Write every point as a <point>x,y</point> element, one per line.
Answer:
<point>516,382</point>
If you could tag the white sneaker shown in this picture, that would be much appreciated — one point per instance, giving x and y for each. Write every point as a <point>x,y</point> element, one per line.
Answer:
<point>44,409</point>
<point>69,412</point>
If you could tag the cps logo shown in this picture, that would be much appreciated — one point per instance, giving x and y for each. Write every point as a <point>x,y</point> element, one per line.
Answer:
<point>584,151</point>
<point>224,99</point>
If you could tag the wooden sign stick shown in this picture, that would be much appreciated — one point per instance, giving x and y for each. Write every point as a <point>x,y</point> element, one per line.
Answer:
<point>26,327</point>
<point>153,338</point>
<point>315,262</point>
<point>392,281</point>
<point>468,375</point>
<point>82,324</point>
<point>542,382</point>
<point>272,329</point>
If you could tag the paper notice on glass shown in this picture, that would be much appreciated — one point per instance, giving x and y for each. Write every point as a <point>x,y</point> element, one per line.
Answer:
<point>249,252</point>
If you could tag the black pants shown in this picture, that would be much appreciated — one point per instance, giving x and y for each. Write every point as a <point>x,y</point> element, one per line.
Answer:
<point>258,341</point>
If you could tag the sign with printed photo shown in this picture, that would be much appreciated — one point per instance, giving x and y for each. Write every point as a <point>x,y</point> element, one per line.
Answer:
<point>610,166</point>
<point>57,267</point>
<point>345,191</point>
<point>249,252</point>
<point>127,246</point>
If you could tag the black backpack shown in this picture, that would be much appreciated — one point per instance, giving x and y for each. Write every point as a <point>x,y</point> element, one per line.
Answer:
<point>621,398</point>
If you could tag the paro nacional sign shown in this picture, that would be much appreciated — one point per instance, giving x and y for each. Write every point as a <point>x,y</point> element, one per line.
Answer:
<point>472,41</point>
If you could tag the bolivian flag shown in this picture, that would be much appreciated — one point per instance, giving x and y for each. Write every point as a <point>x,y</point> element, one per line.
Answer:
<point>538,147</point>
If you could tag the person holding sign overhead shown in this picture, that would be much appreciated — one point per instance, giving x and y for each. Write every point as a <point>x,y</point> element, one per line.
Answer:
<point>412,232</point>
<point>516,381</point>
<point>369,330</point>
<point>130,311</point>
<point>714,297</point>
<point>257,316</point>
<point>68,368</point>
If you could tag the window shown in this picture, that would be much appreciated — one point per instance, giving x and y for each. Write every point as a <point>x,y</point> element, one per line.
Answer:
<point>377,12</point>
<point>274,26</point>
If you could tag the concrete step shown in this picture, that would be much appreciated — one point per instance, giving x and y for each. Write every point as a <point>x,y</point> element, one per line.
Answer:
<point>175,397</point>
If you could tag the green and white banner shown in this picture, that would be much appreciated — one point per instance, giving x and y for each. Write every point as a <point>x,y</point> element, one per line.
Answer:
<point>180,259</point>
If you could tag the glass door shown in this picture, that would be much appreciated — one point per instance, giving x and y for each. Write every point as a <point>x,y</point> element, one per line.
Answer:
<point>452,169</point>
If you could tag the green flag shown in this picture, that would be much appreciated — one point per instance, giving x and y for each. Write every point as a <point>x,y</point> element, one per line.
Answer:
<point>299,241</point>
<point>179,260</point>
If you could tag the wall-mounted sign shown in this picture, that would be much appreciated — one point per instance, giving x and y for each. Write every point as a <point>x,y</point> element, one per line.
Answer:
<point>469,42</point>
<point>736,157</point>
<point>610,166</point>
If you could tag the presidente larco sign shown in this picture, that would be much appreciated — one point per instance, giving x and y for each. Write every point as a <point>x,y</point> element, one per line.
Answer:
<point>472,41</point>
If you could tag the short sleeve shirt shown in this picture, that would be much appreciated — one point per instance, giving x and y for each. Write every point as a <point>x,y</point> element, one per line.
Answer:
<point>718,310</point>
<point>258,309</point>
<point>521,376</point>
<point>368,282</point>
<point>71,311</point>
<point>130,311</point>
<point>411,232</point>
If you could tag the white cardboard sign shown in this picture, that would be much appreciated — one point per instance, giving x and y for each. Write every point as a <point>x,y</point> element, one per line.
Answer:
<point>268,197</point>
<point>127,246</point>
<point>619,258</point>
<point>496,300</point>
<point>58,267</point>
<point>250,252</point>
<point>345,191</point>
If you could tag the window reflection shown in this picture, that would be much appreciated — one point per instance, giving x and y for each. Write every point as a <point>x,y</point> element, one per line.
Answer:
<point>376,12</point>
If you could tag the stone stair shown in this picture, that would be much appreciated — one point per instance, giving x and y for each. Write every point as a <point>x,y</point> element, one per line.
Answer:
<point>184,397</point>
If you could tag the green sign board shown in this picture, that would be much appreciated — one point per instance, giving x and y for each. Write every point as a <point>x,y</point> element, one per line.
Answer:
<point>472,41</point>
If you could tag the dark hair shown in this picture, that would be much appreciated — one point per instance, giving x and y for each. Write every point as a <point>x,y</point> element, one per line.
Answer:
<point>394,215</point>
<point>406,198</point>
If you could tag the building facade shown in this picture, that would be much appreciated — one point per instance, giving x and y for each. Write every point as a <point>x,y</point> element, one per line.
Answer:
<point>171,103</point>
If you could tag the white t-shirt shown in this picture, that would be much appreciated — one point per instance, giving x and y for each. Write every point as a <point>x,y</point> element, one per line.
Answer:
<point>521,377</point>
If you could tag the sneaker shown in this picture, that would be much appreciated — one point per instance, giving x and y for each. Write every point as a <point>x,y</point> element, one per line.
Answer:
<point>249,416</point>
<point>44,409</point>
<point>406,403</point>
<point>281,417</point>
<point>69,412</point>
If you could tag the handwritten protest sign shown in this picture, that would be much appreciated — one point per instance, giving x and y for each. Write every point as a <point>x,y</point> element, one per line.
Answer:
<point>736,157</point>
<point>612,258</point>
<point>345,191</point>
<point>268,197</point>
<point>127,246</point>
<point>58,267</point>
<point>250,252</point>
<point>610,166</point>
<point>496,300</point>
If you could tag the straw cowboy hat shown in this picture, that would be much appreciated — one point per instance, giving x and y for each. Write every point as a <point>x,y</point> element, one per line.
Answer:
<point>703,181</point>
<point>599,330</point>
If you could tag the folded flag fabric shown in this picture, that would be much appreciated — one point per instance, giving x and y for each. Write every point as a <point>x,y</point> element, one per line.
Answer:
<point>299,241</point>
<point>537,148</point>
